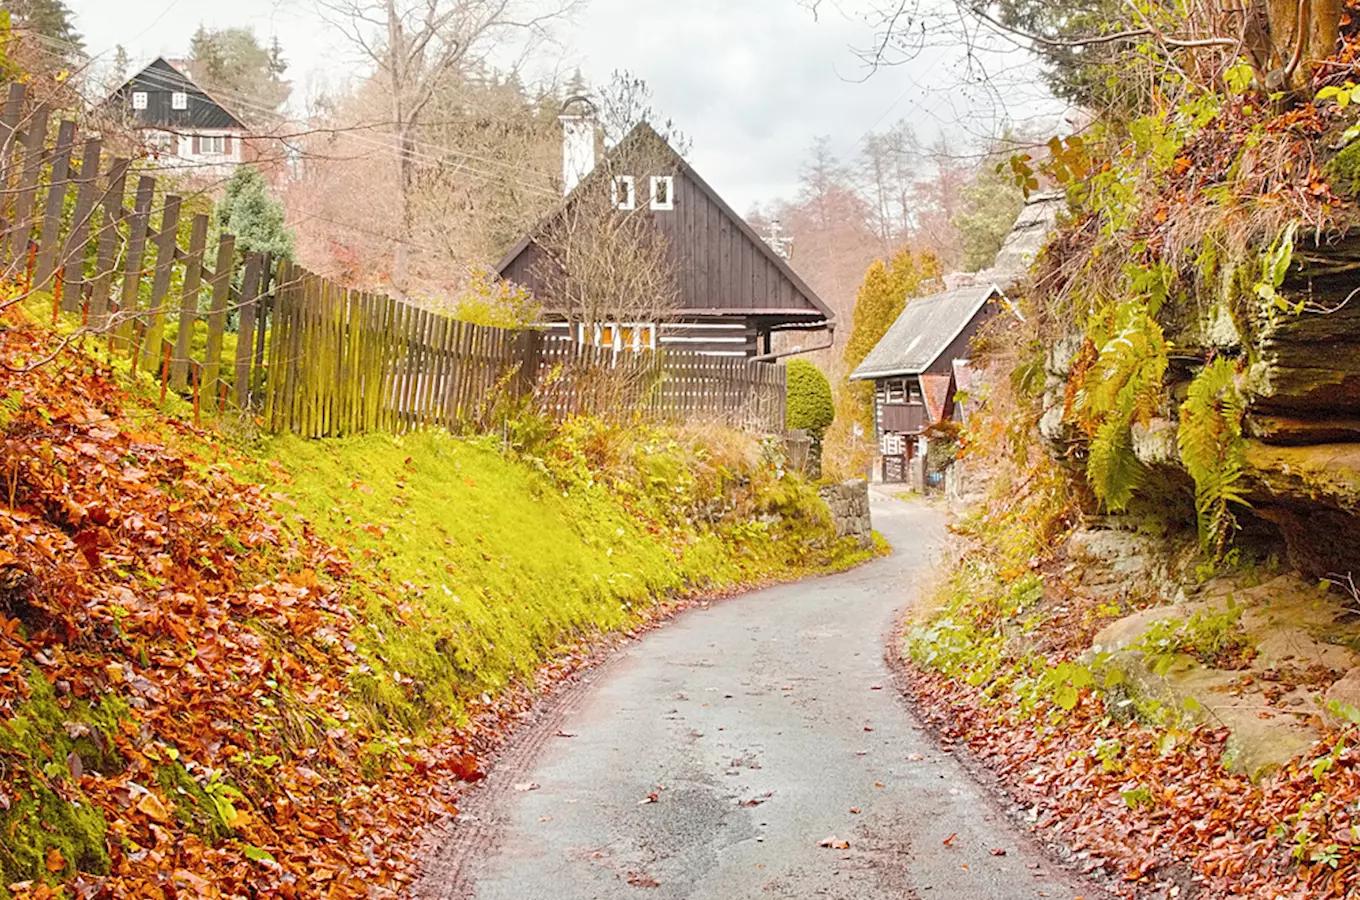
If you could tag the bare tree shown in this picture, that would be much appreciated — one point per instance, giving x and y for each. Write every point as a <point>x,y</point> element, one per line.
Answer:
<point>604,258</point>
<point>888,167</point>
<point>416,46</point>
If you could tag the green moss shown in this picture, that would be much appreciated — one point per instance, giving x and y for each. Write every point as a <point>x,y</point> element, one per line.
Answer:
<point>1343,171</point>
<point>477,567</point>
<point>47,810</point>
<point>483,566</point>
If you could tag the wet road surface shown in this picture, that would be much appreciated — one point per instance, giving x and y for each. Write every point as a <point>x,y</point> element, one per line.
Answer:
<point>710,759</point>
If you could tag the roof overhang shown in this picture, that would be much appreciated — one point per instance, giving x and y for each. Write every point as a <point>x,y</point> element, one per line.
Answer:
<point>873,374</point>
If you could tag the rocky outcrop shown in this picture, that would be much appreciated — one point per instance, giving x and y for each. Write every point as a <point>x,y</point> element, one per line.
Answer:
<point>1301,384</point>
<point>1301,658</point>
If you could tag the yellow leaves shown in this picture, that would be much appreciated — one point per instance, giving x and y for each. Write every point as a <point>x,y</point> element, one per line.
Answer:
<point>55,861</point>
<point>150,806</point>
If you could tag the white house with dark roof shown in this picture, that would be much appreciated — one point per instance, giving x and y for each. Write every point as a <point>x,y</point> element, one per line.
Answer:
<point>184,126</point>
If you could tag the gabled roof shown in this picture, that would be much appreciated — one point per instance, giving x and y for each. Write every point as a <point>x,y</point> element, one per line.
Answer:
<point>645,132</point>
<point>935,391</point>
<point>923,331</point>
<point>201,111</point>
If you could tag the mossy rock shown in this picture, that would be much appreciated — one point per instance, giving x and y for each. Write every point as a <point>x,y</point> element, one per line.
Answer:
<point>48,831</point>
<point>1343,171</point>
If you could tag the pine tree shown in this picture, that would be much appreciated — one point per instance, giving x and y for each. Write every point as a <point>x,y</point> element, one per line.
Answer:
<point>231,64</point>
<point>253,215</point>
<point>49,18</point>
<point>991,204</point>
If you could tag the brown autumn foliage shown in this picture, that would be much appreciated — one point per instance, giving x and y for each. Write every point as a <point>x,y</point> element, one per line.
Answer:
<point>162,597</point>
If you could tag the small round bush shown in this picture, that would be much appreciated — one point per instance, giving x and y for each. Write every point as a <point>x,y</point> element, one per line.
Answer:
<point>810,406</point>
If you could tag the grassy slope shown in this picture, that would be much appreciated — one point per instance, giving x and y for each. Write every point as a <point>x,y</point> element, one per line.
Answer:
<point>478,566</point>
<point>459,569</point>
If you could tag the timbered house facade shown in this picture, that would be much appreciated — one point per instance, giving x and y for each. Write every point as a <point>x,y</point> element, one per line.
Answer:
<point>916,369</point>
<point>183,126</point>
<point>734,291</point>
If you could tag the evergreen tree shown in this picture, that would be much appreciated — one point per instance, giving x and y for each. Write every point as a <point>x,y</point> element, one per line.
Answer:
<point>247,77</point>
<point>884,294</point>
<point>250,212</point>
<point>991,205</point>
<point>49,18</point>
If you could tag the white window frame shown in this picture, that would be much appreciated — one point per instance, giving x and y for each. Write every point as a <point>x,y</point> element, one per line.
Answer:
<point>161,141</point>
<point>219,147</point>
<point>179,100</point>
<point>640,330</point>
<point>628,201</point>
<point>669,203</point>
<point>139,100</point>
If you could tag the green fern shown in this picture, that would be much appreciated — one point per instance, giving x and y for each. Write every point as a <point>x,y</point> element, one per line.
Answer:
<point>1112,469</point>
<point>1122,387</point>
<point>1214,452</point>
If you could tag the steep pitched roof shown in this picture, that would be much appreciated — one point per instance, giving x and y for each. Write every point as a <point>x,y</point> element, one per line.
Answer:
<point>644,132</point>
<point>935,390</point>
<point>923,331</point>
<point>161,80</point>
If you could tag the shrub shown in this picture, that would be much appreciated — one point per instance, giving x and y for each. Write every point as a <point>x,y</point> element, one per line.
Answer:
<point>810,405</point>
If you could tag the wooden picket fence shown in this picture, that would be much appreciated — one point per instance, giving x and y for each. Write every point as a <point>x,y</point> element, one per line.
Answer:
<point>311,357</point>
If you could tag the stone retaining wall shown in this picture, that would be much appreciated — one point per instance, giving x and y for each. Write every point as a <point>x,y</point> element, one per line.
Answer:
<point>849,504</point>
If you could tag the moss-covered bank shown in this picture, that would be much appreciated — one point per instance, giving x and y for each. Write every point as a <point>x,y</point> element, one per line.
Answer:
<point>476,560</point>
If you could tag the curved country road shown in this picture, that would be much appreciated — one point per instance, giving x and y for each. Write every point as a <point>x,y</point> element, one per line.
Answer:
<point>708,760</point>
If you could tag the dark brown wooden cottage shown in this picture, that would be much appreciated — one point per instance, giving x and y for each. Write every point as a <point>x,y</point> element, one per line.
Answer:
<point>735,292</point>
<point>915,369</point>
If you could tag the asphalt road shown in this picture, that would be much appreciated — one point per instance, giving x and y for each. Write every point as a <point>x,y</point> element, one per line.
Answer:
<point>710,759</point>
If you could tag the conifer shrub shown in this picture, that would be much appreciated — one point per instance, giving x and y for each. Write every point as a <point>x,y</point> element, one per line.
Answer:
<point>811,407</point>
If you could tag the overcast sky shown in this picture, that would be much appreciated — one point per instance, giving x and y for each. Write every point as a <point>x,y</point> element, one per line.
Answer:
<point>751,82</point>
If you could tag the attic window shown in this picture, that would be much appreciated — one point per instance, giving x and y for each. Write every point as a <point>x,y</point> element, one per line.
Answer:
<point>139,99</point>
<point>179,100</point>
<point>625,192</point>
<point>663,192</point>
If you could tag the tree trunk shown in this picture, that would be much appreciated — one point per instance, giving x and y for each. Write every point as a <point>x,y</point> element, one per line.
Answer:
<point>401,263</point>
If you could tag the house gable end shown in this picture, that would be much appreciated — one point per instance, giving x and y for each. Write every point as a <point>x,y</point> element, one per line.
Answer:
<point>722,265</point>
<point>160,82</point>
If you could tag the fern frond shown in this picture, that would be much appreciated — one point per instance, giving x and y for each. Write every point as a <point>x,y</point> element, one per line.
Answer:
<point>1113,470</point>
<point>1213,451</point>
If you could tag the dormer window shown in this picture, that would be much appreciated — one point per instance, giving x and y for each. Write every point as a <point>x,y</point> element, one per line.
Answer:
<point>663,192</point>
<point>625,192</point>
<point>179,100</point>
<point>139,100</point>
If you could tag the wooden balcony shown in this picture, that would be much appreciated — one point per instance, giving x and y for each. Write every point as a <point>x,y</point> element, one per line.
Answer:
<point>902,418</point>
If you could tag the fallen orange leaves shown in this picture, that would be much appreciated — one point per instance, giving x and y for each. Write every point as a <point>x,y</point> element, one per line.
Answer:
<point>139,578</point>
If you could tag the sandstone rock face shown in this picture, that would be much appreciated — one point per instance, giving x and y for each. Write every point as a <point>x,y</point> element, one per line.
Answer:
<point>1345,693</point>
<point>849,505</point>
<point>1273,708</point>
<point>1301,384</point>
<point>1312,495</point>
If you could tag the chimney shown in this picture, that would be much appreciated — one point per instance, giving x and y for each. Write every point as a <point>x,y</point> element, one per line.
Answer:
<point>578,142</point>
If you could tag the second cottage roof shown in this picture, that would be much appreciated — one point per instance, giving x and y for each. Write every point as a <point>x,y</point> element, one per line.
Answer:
<point>923,331</point>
